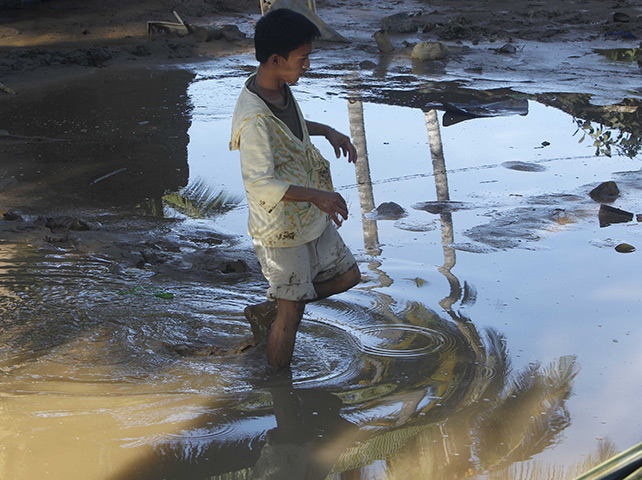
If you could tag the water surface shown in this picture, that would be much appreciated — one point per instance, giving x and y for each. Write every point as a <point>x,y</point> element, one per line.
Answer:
<point>493,334</point>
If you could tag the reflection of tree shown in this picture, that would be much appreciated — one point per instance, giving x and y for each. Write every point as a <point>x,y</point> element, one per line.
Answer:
<point>528,414</point>
<point>611,127</point>
<point>364,185</point>
<point>537,470</point>
<point>443,195</point>
<point>464,409</point>
<point>199,200</point>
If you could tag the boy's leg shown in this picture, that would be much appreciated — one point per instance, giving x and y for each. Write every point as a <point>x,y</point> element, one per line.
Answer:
<point>283,332</point>
<point>338,284</point>
<point>262,315</point>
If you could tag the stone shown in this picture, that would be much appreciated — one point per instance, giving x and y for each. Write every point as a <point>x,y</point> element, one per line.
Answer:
<point>624,248</point>
<point>428,51</point>
<point>399,23</point>
<point>389,211</point>
<point>605,192</point>
<point>610,215</point>
<point>235,266</point>
<point>383,42</point>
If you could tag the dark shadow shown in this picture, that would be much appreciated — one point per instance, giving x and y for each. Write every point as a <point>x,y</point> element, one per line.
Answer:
<point>108,139</point>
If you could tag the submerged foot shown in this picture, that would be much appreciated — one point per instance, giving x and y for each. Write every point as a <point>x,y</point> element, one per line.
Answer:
<point>261,317</point>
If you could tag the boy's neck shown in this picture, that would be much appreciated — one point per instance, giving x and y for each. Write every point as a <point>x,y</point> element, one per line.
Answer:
<point>271,88</point>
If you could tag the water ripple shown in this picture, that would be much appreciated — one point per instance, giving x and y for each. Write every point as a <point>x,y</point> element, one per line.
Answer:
<point>400,340</point>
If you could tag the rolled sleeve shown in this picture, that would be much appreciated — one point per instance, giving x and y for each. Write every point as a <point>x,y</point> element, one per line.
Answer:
<point>257,167</point>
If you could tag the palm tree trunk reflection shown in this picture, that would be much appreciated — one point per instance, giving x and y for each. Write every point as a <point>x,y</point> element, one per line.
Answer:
<point>441,184</point>
<point>364,185</point>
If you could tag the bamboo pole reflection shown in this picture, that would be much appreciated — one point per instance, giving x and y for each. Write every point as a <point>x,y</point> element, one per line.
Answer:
<point>443,195</point>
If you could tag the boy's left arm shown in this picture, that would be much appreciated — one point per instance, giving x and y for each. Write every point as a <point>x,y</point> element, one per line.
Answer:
<point>340,142</point>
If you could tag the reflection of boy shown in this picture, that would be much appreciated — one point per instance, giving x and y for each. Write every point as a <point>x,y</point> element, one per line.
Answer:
<point>288,185</point>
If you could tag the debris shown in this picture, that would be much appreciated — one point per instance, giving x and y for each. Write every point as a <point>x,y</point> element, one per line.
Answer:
<point>175,29</point>
<point>523,166</point>
<point>610,215</point>
<point>507,49</point>
<point>383,42</point>
<point>5,89</point>
<point>115,172</point>
<point>605,192</point>
<point>437,208</point>
<point>625,248</point>
<point>427,51</point>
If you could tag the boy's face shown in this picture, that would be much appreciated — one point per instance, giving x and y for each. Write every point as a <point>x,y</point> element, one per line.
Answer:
<point>298,61</point>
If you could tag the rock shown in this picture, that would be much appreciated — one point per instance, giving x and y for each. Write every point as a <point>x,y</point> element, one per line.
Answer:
<point>389,211</point>
<point>140,51</point>
<point>383,42</point>
<point>367,65</point>
<point>610,215</point>
<point>428,51</point>
<point>11,215</point>
<point>399,23</point>
<point>621,17</point>
<point>205,33</point>
<point>236,266</point>
<point>507,48</point>
<point>605,192</point>
<point>232,33</point>
<point>63,223</point>
<point>624,248</point>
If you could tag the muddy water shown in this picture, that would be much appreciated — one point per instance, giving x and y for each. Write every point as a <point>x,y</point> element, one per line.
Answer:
<point>493,335</point>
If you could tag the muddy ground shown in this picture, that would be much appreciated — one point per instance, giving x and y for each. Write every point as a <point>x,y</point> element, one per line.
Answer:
<point>55,39</point>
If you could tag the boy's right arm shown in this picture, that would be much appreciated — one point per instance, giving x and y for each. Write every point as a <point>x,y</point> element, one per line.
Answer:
<point>331,203</point>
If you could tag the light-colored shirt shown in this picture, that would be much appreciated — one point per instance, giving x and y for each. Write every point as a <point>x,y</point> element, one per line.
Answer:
<point>272,159</point>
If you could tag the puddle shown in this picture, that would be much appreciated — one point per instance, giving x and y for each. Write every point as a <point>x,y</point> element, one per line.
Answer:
<point>493,325</point>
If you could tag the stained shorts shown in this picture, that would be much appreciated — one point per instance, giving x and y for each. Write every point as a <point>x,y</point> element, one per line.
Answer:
<point>292,271</point>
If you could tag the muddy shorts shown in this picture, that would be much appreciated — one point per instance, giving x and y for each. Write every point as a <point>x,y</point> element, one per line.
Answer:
<point>292,271</point>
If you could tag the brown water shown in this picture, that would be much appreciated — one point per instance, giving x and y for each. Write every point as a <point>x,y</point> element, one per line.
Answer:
<point>493,335</point>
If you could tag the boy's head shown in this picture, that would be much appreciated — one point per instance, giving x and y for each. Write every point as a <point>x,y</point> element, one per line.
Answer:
<point>280,32</point>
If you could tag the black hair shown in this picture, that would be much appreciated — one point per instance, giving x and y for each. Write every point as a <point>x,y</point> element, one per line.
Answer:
<point>282,31</point>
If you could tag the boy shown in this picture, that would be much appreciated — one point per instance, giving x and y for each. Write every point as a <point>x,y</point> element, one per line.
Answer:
<point>289,189</point>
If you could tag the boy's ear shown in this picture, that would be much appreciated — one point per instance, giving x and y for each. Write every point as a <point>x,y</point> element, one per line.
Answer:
<point>274,59</point>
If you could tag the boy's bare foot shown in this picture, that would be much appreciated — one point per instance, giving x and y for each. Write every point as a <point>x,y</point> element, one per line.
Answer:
<point>261,317</point>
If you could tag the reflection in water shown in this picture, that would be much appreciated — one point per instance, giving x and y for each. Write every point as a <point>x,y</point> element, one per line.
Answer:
<point>611,129</point>
<point>441,184</point>
<point>362,172</point>
<point>112,139</point>
<point>200,200</point>
<point>85,372</point>
<point>364,185</point>
<point>381,387</point>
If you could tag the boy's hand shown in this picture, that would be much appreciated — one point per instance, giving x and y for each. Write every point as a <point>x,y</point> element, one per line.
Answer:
<point>342,144</point>
<point>333,204</point>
